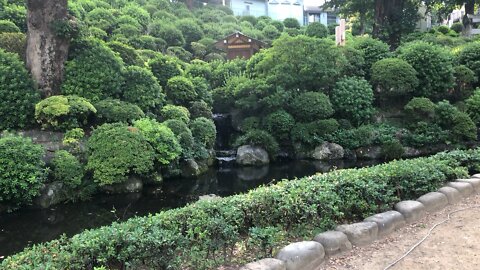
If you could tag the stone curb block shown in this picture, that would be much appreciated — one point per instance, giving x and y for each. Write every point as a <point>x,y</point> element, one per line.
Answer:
<point>466,189</point>
<point>475,182</point>
<point>333,242</point>
<point>411,210</point>
<point>453,195</point>
<point>433,201</point>
<point>387,222</point>
<point>476,175</point>
<point>360,234</point>
<point>306,255</point>
<point>265,264</point>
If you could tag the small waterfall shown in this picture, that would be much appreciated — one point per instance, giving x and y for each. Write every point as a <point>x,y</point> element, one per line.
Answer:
<point>225,154</point>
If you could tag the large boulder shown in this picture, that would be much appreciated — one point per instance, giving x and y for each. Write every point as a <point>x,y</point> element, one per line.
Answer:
<point>51,194</point>
<point>307,255</point>
<point>328,151</point>
<point>131,185</point>
<point>369,152</point>
<point>190,168</point>
<point>265,264</point>
<point>249,155</point>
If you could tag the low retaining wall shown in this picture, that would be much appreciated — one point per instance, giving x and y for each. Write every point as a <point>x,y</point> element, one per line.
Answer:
<point>309,255</point>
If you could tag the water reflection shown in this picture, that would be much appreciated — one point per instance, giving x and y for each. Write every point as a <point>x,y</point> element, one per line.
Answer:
<point>28,226</point>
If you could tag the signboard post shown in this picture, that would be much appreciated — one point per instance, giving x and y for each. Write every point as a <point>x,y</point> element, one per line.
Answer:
<point>340,33</point>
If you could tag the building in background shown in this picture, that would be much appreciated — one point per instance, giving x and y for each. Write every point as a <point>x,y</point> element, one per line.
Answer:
<point>275,9</point>
<point>319,14</point>
<point>238,45</point>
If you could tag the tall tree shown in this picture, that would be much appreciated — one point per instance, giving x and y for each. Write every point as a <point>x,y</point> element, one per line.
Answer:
<point>363,9</point>
<point>47,43</point>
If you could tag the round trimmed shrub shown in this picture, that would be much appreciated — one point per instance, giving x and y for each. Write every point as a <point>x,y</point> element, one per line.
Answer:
<point>459,124</point>
<point>464,79</point>
<point>279,123</point>
<point>141,88</point>
<point>470,57</point>
<point>114,110</point>
<point>457,27</point>
<point>204,131</point>
<point>17,94</point>
<point>14,43</point>
<point>434,66</point>
<point>115,151</point>
<point>392,150</point>
<point>200,109</point>
<point>22,170</point>
<point>250,123</point>
<point>95,71</point>
<point>355,62</point>
<point>190,29</point>
<point>311,106</point>
<point>175,112</point>
<point>64,112</point>
<point>8,27</point>
<point>393,76</point>
<point>270,32</point>
<point>128,54</point>
<point>164,68</point>
<point>260,138</point>
<point>183,134</point>
<point>180,90</point>
<point>473,106</point>
<point>162,139</point>
<point>373,50</point>
<point>313,133</point>
<point>101,18</point>
<point>291,23</point>
<point>352,99</point>
<point>167,32</point>
<point>67,169</point>
<point>420,109</point>
<point>316,29</point>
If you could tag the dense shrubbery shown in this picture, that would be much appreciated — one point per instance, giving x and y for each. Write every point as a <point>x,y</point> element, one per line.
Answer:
<point>352,99</point>
<point>67,169</point>
<point>279,124</point>
<point>394,77</point>
<point>22,171</point>
<point>94,71</point>
<point>204,131</point>
<point>175,112</point>
<point>373,50</point>
<point>115,151</point>
<point>314,202</point>
<point>64,112</point>
<point>17,95</point>
<point>419,109</point>
<point>114,110</point>
<point>470,57</point>
<point>141,88</point>
<point>180,91</point>
<point>311,106</point>
<point>260,138</point>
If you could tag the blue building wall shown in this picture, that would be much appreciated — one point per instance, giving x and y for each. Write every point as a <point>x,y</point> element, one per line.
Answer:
<point>249,7</point>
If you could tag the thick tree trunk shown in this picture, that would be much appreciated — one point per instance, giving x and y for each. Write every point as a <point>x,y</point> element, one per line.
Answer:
<point>46,51</point>
<point>362,24</point>
<point>388,15</point>
<point>467,22</point>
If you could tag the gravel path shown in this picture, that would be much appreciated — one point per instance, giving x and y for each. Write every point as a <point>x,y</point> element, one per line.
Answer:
<point>452,245</point>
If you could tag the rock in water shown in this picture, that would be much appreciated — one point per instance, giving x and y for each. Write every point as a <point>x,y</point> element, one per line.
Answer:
<point>328,151</point>
<point>250,155</point>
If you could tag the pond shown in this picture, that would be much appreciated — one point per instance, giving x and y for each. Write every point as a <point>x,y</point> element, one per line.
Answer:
<point>29,226</point>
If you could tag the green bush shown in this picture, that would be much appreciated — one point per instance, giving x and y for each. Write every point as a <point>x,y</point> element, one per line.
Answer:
<point>260,138</point>
<point>316,202</point>
<point>373,50</point>
<point>352,99</point>
<point>314,133</point>
<point>464,80</point>
<point>473,106</point>
<point>115,151</point>
<point>161,138</point>
<point>17,94</point>
<point>183,134</point>
<point>67,169</point>
<point>175,112</point>
<point>457,27</point>
<point>291,23</point>
<point>64,112</point>
<point>8,27</point>
<point>200,109</point>
<point>101,18</point>
<point>204,131</point>
<point>392,150</point>
<point>433,65</point>
<point>114,110</point>
<point>179,53</point>
<point>190,29</point>
<point>141,88</point>
<point>128,54</point>
<point>14,43</point>
<point>279,123</point>
<point>180,90</point>
<point>316,29</point>
<point>425,133</point>
<point>270,32</point>
<point>353,138</point>
<point>22,171</point>
<point>168,32</point>
<point>311,106</point>
<point>459,124</point>
<point>164,68</point>
<point>250,123</point>
<point>355,65</point>
<point>470,57</point>
<point>394,77</point>
<point>420,109</point>
<point>94,71</point>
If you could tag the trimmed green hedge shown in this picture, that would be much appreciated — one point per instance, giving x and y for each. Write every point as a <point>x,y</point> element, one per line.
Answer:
<point>199,234</point>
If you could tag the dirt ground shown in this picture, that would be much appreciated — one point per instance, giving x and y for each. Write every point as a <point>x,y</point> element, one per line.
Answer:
<point>452,245</point>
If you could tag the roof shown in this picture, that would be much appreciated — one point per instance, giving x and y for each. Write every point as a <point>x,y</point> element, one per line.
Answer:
<point>221,44</point>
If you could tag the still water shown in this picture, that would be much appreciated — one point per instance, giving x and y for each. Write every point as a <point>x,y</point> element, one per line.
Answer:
<point>29,226</point>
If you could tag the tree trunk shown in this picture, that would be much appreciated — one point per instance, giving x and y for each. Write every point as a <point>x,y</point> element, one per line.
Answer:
<point>362,24</point>
<point>46,50</point>
<point>467,22</point>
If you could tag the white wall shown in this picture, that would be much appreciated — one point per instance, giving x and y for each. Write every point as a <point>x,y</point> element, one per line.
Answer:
<point>284,10</point>
<point>249,7</point>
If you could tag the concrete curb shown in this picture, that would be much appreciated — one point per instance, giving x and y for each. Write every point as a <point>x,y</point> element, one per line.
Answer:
<point>310,255</point>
